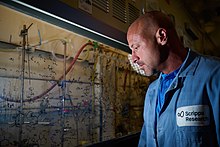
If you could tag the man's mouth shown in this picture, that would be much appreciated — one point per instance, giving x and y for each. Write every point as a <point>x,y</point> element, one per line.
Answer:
<point>140,65</point>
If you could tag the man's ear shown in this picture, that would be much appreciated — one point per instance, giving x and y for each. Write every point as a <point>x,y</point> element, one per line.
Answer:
<point>161,36</point>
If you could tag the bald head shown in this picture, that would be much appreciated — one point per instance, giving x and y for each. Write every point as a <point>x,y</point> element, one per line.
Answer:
<point>150,22</point>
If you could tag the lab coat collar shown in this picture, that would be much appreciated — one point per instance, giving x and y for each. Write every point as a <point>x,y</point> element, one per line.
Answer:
<point>190,64</point>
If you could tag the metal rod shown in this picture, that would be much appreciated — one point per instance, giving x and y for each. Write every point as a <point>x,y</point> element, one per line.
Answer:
<point>23,34</point>
<point>49,80</point>
<point>63,86</point>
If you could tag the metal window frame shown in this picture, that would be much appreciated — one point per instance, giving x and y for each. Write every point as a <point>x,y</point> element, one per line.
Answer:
<point>64,16</point>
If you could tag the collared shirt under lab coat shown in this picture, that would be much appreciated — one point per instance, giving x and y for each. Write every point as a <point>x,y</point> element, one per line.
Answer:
<point>190,116</point>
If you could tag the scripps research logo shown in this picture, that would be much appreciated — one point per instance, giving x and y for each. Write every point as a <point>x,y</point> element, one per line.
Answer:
<point>180,114</point>
<point>190,113</point>
<point>196,115</point>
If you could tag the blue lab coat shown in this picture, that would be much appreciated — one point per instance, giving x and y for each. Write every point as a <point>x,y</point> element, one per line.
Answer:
<point>190,115</point>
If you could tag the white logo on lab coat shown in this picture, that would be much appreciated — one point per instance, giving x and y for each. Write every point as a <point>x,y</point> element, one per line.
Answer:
<point>196,115</point>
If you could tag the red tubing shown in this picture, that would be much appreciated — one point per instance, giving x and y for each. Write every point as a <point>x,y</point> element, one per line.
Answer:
<point>49,89</point>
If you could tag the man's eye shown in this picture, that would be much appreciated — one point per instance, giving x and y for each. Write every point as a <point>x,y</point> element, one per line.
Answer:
<point>136,48</point>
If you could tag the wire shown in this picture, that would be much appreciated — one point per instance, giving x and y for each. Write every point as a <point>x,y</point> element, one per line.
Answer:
<point>85,57</point>
<point>62,59</point>
<point>49,41</point>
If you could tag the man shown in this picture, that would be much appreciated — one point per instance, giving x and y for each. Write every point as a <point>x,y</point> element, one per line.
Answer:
<point>182,106</point>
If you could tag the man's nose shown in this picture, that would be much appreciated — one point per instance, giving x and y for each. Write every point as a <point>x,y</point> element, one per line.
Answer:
<point>135,58</point>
